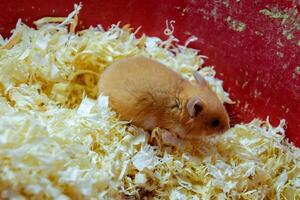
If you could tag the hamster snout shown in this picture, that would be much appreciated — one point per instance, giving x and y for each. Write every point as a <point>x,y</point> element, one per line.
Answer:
<point>150,95</point>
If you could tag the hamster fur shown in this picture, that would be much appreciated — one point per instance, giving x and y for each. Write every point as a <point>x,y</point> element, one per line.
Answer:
<point>149,94</point>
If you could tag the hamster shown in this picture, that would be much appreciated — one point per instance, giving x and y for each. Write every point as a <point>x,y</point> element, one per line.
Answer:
<point>150,95</point>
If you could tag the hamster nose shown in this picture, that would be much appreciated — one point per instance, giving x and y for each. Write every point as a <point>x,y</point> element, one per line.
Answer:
<point>223,128</point>
<point>227,126</point>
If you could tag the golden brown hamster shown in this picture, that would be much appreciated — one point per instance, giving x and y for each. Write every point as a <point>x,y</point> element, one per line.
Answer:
<point>149,94</point>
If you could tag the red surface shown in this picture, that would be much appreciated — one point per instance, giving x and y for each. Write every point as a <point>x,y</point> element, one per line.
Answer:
<point>258,60</point>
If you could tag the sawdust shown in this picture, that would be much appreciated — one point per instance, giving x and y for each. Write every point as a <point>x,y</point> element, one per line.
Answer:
<point>235,24</point>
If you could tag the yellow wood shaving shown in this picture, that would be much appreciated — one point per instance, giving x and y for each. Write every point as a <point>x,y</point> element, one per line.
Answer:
<point>15,38</point>
<point>46,20</point>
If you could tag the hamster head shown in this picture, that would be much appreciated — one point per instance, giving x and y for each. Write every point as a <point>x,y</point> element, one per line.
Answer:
<point>202,113</point>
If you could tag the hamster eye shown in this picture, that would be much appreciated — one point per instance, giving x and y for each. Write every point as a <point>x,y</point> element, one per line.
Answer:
<point>215,123</point>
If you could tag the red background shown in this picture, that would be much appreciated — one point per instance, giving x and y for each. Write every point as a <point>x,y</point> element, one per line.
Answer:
<point>258,60</point>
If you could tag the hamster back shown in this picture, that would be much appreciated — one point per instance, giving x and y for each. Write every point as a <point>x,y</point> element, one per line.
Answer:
<point>139,89</point>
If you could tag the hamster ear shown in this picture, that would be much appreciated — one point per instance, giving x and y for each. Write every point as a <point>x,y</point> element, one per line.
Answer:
<point>200,79</point>
<point>194,107</point>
